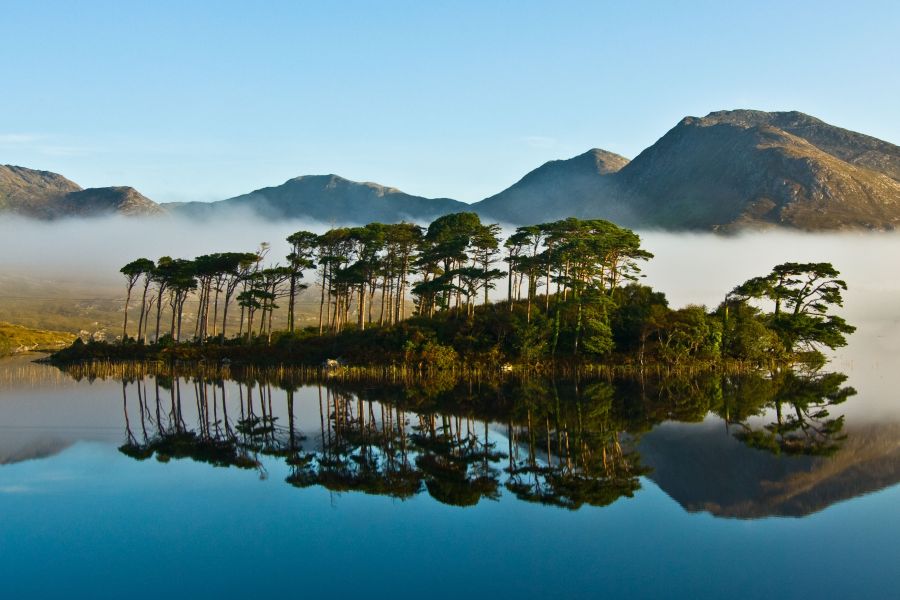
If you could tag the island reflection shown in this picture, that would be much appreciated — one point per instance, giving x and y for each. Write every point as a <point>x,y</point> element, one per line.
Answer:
<point>760,445</point>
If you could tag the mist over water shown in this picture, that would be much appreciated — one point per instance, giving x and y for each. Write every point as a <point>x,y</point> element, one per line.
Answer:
<point>95,249</point>
<point>688,268</point>
<point>701,268</point>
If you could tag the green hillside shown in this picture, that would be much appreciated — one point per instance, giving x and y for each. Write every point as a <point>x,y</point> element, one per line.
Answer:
<point>15,338</point>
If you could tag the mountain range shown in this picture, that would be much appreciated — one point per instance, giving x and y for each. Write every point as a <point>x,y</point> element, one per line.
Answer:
<point>726,171</point>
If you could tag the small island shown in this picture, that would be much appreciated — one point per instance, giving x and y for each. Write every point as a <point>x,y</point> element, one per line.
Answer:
<point>439,298</point>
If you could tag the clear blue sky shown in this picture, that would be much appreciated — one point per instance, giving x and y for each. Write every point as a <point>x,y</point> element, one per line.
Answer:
<point>201,101</point>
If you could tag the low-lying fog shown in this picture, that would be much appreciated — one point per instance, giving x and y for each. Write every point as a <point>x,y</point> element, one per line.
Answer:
<point>689,268</point>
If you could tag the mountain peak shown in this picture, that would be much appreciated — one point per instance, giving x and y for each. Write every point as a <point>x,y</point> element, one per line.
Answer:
<point>743,168</point>
<point>557,186</point>
<point>332,181</point>
<point>753,118</point>
<point>855,148</point>
<point>47,195</point>
<point>606,161</point>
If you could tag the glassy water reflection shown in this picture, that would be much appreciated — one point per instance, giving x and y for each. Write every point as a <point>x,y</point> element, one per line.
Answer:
<point>193,471</point>
<point>554,442</point>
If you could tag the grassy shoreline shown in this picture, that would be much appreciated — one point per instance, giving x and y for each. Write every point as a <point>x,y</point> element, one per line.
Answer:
<point>17,339</point>
<point>259,361</point>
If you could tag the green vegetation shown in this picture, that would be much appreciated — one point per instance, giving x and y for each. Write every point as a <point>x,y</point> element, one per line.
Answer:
<point>572,296</point>
<point>15,338</point>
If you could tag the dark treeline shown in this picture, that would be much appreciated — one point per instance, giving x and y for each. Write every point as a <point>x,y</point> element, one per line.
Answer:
<point>561,442</point>
<point>401,293</point>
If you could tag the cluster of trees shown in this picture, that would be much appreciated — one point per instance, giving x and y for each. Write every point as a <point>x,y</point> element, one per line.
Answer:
<point>799,296</point>
<point>213,278</point>
<point>450,265</point>
<point>571,290</point>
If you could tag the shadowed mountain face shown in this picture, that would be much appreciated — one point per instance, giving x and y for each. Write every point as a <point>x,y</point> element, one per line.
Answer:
<point>704,468</point>
<point>18,448</point>
<point>97,201</point>
<point>45,195</point>
<point>329,199</point>
<point>580,187</point>
<point>734,170</point>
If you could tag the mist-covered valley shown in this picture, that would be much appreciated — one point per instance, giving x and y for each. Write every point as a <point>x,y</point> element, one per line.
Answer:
<point>65,275</point>
<point>83,256</point>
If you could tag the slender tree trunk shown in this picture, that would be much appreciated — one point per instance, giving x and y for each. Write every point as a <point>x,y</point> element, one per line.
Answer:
<point>547,291</point>
<point>225,313</point>
<point>158,314</point>
<point>216,311</point>
<point>198,329</point>
<point>293,292</point>
<point>322,301</point>
<point>577,327</point>
<point>345,318</point>
<point>329,303</point>
<point>384,292</point>
<point>147,320</point>
<point>402,293</point>
<point>361,309</point>
<point>174,306</point>
<point>143,309</point>
<point>180,315</point>
<point>530,295</point>
<point>509,284</point>
<point>125,323</point>
<point>206,310</point>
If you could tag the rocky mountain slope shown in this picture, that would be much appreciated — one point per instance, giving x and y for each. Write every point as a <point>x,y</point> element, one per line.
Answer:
<point>739,169</point>
<point>849,146</point>
<point>45,195</point>
<point>726,171</point>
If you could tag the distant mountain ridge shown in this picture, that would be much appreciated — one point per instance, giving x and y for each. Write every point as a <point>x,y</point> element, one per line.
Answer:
<point>576,184</point>
<point>46,195</point>
<point>726,171</point>
<point>327,199</point>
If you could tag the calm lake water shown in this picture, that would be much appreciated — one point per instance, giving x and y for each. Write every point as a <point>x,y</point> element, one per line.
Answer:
<point>653,489</point>
<point>197,487</point>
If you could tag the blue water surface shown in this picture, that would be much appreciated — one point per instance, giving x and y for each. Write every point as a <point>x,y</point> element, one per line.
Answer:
<point>90,522</point>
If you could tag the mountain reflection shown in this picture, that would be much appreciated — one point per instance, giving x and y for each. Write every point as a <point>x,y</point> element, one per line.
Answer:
<point>564,443</point>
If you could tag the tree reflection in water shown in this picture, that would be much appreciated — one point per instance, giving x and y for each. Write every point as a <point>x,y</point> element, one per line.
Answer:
<point>803,423</point>
<point>567,443</point>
